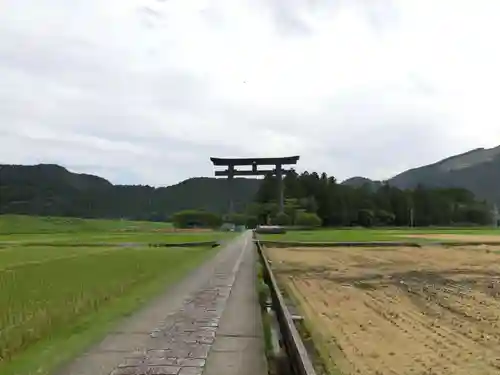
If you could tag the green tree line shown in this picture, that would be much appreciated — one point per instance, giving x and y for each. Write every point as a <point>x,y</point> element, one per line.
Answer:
<point>312,199</point>
<point>336,204</point>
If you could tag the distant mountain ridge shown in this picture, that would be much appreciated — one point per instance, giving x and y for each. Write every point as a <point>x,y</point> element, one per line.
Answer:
<point>358,182</point>
<point>48,189</point>
<point>469,159</point>
<point>50,173</point>
<point>477,170</point>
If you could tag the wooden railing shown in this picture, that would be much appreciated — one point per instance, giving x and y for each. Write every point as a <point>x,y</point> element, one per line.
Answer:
<point>299,361</point>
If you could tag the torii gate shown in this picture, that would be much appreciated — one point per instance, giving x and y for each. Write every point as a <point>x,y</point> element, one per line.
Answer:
<point>278,171</point>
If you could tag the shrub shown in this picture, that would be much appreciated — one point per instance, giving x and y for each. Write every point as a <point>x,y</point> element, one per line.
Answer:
<point>196,218</point>
<point>307,219</point>
<point>237,219</point>
<point>252,222</point>
<point>365,218</point>
<point>384,217</point>
<point>282,219</point>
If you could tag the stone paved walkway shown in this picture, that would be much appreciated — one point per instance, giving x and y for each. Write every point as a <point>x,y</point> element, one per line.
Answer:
<point>181,341</point>
<point>239,343</point>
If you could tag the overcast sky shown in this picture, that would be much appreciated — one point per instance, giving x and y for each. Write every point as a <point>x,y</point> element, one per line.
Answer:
<point>145,91</point>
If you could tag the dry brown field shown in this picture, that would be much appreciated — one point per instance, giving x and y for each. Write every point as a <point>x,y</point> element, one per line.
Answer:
<point>381,311</point>
<point>455,237</point>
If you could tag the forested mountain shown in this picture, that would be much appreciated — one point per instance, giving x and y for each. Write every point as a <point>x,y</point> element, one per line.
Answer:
<point>345,205</point>
<point>434,192</point>
<point>477,170</point>
<point>358,182</point>
<point>52,190</point>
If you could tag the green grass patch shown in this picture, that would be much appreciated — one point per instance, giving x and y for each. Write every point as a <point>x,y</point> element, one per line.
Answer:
<point>23,224</point>
<point>264,294</point>
<point>18,256</point>
<point>57,301</point>
<point>365,235</point>
<point>33,230</point>
<point>113,238</point>
<point>59,292</point>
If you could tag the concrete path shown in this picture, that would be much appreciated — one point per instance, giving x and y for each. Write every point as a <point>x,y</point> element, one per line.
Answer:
<point>239,342</point>
<point>207,324</point>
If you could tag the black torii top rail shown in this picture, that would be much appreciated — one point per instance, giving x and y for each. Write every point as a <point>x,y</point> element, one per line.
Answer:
<point>251,161</point>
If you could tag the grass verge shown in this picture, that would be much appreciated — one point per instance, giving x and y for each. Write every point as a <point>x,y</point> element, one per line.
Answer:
<point>264,295</point>
<point>364,235</point>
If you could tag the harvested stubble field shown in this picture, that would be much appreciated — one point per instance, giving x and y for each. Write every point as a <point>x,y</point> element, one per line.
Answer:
<point>380,311</point>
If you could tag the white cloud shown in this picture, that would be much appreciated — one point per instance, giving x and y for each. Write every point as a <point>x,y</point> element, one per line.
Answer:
<point>145,91</point>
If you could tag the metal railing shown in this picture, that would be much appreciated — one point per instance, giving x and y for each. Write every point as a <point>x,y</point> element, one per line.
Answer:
<point>299,361</point>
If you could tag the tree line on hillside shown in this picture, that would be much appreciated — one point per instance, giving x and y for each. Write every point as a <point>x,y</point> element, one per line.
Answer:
<point>51,190</point>
<point>313,200</point>
<point>206,219</point>
<point>342,205</point>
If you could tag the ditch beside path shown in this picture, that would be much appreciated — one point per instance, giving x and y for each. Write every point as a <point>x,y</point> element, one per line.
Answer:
<point>208,324</point>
